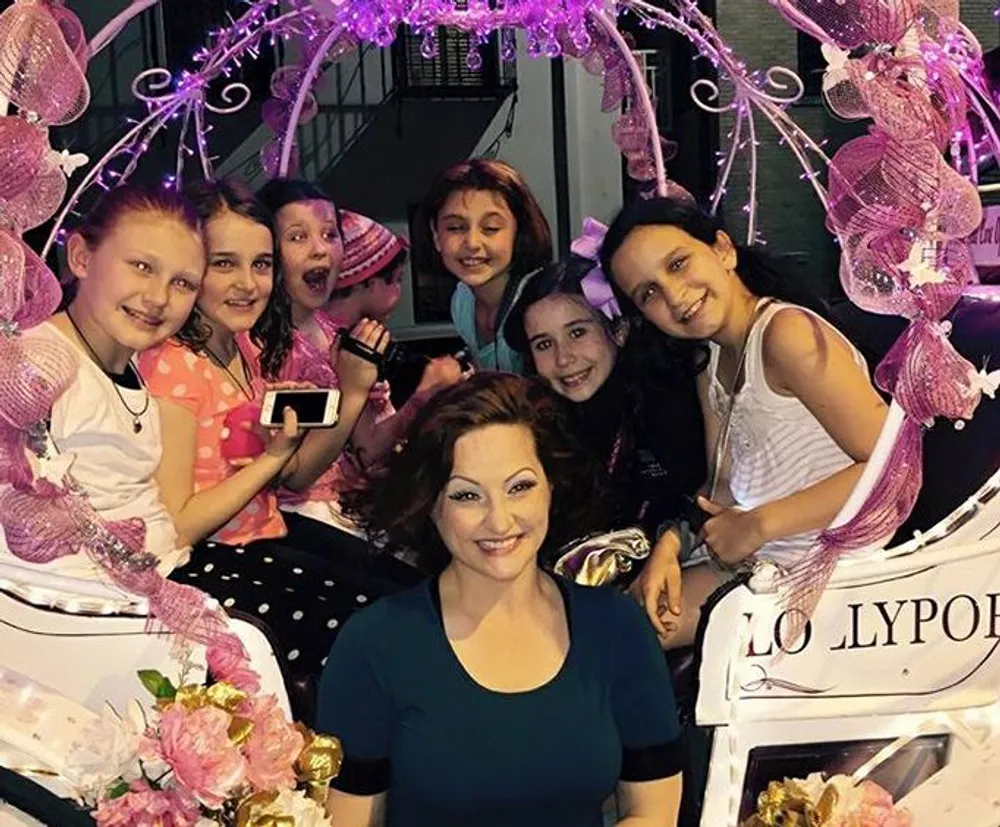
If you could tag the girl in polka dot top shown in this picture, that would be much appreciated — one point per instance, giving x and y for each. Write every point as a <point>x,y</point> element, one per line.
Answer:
<point>238,336</point>
<point>223,502</point>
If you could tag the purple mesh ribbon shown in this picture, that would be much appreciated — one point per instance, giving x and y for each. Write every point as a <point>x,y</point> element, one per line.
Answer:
<point>38,66</point>
<point>927,378</point>
<point>44,520</point>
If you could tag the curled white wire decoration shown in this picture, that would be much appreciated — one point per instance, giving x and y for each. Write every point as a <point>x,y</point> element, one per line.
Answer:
<point>229,97</point>
<point>713,93</point>
<point>781,78</point>
<point>159,85</point>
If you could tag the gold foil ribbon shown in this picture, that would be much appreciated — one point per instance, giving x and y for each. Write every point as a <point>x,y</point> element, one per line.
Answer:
<point>319,762</point>
<point>786,804</point>
<point>240,729</point>
<point>249,814</point>
<point>222,695</point>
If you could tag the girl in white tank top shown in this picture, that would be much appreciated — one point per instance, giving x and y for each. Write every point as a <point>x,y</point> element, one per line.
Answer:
<point>805,417</point>
<point>137,261</point>
<point>776,447</point>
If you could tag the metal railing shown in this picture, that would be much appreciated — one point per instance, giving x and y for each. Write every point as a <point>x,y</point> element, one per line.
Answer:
<point>351,93</point>
<point>358,86</point>
<point>360,92</point>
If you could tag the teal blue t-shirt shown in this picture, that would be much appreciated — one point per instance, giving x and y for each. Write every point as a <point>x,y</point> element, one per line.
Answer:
<point>450,753</point>
<point>495,355</point>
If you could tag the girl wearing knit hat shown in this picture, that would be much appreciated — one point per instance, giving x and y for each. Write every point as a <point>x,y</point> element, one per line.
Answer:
<point>371,271</point>
<point>311,241</point>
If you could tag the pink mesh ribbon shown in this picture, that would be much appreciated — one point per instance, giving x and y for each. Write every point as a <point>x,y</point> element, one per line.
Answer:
<point>885,197</point>
<point>37,64</point>
<point>44,519</point>
<point>850,23</point>
<point>928,379</point>
<point>630,130</point>
<point>22,148</point>
<point>903,81</point>
<point>286,84</point>
<point>44,514</point>
<point>32,182</point>
<point>902,216</point>
<point>906,99</point>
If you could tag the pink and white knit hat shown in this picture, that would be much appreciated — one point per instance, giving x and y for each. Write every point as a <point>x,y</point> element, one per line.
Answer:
<point>368,248</point>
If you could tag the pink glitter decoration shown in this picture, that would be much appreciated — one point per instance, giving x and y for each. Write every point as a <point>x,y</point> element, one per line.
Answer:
<point>22,147</point>
<point>39,201</point>
<point>46,516</point>
<point>72,31</point>
<point>902,216</point>
<point>37,66</point>
<point>851,23</point>
<point>29,292</point>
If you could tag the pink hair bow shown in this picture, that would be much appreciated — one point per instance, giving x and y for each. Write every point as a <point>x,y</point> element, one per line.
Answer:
<point>595,286</point>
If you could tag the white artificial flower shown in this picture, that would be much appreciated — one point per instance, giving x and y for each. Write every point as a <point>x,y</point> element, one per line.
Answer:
<point>921,267</point>
<point>298,806</point>
<point>985,383</point>
<point>108,748</point>
<point>836,66</point>
<point>849,796</point>
<point>53,468</point>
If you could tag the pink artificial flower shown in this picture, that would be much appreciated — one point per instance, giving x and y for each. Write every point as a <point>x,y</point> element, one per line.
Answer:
<point>198,749</point>
<point>272,747</point>
<point>876,809</point>
<point>232,666</point>
<point>146,807</point>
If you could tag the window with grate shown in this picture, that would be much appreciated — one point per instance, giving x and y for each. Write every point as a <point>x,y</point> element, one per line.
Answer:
<point>431,290</point>
<point>185,30</point>
<point>811,64</point>
<point>448,72</point>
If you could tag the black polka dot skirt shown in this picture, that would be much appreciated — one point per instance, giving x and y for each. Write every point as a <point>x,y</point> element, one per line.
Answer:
<point>302,597</point>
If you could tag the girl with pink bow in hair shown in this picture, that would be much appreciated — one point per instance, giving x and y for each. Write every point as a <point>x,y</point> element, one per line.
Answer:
<point>643,424</point>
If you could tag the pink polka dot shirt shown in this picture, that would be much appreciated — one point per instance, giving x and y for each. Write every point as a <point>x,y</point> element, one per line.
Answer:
<point>175,375</point>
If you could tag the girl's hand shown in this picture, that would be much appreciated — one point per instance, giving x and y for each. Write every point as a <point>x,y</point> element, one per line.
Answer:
<point>730,534</point>
<point>284,441</point>
<point>440,373</point>
<point>275,438</point>
<point>357,374</point>
<point>658,586</point>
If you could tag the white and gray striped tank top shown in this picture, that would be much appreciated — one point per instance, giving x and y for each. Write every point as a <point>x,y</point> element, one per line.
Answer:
<point>776,446</point>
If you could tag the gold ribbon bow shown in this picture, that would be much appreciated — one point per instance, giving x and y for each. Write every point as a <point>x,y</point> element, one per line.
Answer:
<point>785,804</point>
<point>249,814</point>
<point>319,762</point>
<point>222,695</point>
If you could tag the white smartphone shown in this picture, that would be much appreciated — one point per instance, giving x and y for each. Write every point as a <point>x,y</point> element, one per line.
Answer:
<point>315,407</point>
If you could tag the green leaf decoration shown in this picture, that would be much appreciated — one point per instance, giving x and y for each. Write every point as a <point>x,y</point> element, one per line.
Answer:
<point>119,789</point>
<point>157,685</point>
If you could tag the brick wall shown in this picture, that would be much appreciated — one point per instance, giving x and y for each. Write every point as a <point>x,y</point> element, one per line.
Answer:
<point>978,16</point>
<point>790,217</point>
